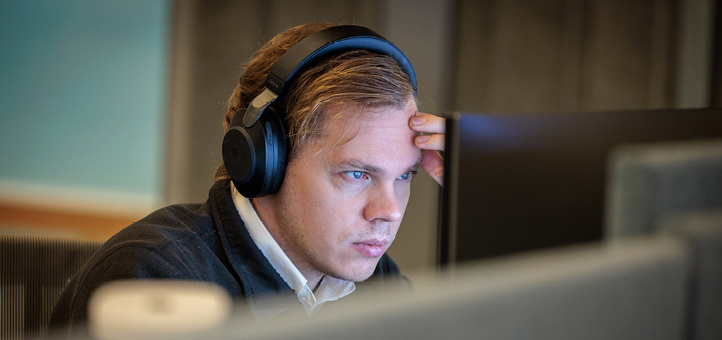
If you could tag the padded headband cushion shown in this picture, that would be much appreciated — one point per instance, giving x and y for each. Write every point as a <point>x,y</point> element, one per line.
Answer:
<point>328,41</point>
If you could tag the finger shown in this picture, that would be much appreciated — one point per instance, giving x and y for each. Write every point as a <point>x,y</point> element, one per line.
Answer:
<point>430,142</point>
<point>433,164</point>
<point>424,122</point>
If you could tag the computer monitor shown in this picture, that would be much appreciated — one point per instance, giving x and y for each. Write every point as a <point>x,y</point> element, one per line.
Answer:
<point>518,182</point>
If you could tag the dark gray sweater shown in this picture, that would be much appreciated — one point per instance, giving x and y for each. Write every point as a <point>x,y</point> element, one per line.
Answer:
<point>199,242</point>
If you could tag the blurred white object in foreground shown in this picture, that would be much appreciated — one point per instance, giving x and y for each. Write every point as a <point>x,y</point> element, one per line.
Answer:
<point>158,308</point>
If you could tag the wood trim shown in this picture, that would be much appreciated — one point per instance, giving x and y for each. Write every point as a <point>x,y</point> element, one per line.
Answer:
<point>16,218</point>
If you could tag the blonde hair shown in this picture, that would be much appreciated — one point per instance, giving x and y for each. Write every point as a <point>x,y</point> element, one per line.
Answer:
<point>358,77</point>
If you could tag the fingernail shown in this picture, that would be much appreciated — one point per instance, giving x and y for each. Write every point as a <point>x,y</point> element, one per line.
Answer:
<point>417,121</point>
<point>422,139</point>
<point>439,171</point>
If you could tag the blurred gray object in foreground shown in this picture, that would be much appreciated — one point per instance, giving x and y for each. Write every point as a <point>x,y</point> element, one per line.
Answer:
<point>703,233</point>
<point>626,290</point>
<point>648,183</point>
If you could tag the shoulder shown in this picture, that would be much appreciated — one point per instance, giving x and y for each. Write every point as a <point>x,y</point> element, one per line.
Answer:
<point>173,222</point>
<point>153,247</point>
<point>162,245</point>
<point>159,245</point>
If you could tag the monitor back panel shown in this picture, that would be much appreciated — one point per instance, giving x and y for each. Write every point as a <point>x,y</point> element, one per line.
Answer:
<point>518,182</point>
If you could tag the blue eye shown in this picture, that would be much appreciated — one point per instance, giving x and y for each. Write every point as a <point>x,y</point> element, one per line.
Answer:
<point>355,175</point>
<point>407,176</point>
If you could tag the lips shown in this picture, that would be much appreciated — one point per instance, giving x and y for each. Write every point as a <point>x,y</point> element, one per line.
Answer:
<point>370,248</point>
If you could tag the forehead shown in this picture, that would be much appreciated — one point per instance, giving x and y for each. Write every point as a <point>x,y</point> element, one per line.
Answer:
<point>371,134</point>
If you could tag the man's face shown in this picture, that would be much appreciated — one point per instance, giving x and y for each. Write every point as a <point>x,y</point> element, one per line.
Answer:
<point>341,204</point>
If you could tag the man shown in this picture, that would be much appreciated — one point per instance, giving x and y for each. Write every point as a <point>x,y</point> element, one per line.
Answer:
<point>354,144</point>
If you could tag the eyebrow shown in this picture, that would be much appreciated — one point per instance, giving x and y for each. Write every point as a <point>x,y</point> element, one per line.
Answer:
<point>357,163</point>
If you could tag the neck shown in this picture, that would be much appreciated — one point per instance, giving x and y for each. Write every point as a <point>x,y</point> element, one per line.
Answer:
<point>266,209</point>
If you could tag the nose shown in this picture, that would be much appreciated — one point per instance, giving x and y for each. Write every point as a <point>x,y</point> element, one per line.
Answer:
<point>384,205</point>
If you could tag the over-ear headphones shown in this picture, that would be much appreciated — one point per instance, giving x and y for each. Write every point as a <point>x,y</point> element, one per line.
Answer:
<point>256,145</point>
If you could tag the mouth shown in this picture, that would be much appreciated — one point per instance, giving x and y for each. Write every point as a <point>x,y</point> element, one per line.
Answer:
<point>370,248</point>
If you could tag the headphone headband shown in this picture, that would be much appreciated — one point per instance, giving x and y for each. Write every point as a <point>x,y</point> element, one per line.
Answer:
<point>328,41</point>
<point>314,47</point>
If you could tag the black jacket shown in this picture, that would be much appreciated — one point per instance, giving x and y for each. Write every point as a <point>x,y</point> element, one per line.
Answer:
<point>199,242</point>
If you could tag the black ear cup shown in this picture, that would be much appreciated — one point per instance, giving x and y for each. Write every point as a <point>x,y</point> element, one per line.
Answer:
<point>238,154</point>
<point>255,157</point>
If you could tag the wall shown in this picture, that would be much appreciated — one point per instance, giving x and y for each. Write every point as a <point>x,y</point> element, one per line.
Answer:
<point>83,112</point>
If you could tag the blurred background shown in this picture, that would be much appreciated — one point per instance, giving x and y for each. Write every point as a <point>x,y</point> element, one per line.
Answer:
<point>111,109</point>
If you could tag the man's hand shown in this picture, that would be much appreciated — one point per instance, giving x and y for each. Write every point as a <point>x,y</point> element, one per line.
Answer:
<point>430,141</point>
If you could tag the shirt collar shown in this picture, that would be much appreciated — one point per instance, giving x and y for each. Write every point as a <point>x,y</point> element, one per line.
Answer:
<point>329,289</point>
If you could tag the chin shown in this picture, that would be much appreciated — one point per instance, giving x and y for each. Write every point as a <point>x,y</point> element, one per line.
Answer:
<point>360,273</point>
<point>363,277</point>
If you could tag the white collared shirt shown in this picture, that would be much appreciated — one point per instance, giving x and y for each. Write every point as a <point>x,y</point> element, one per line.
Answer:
<point>329,289</point>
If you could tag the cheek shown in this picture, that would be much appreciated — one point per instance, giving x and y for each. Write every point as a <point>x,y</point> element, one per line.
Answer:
<point>403,192</point>
<point>334,199</point>
<point>325,208</point>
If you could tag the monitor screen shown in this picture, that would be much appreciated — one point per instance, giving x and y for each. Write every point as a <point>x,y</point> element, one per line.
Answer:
<point>518,182</point>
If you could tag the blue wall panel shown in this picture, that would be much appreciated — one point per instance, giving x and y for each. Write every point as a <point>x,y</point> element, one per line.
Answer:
<point>82,94</point>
